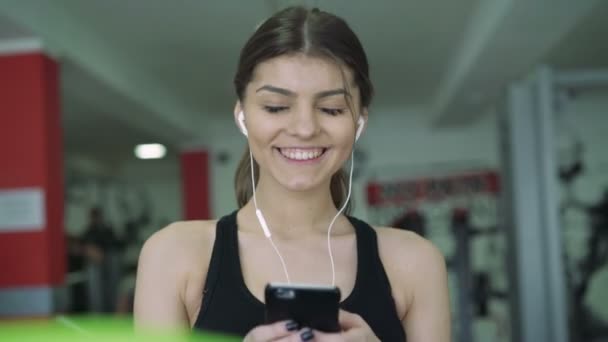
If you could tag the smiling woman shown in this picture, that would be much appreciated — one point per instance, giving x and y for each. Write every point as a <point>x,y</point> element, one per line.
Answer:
<point>304,83</point>
<point>290,111</point>
<point>303,93</point>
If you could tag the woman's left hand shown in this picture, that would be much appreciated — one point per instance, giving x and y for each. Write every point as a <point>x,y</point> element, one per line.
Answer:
<point>354,328</point>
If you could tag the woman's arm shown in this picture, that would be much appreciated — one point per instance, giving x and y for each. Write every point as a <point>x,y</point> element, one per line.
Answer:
<point>428,315</point>
<point>160,284</point>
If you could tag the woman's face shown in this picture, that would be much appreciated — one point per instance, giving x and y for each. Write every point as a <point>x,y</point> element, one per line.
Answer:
<point>300,127</point>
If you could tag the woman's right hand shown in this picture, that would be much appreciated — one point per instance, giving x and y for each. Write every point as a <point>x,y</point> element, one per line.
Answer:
<point>283,331</point>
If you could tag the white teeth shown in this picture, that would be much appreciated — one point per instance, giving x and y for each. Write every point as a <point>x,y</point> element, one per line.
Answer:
<point>298,154</point>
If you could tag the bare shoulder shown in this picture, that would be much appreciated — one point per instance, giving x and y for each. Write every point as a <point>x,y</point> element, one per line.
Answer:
<point>412,263</point>
<point>417,272</point>
<point>171,269</point>
<point>405,252</point>
<point>180,240</point>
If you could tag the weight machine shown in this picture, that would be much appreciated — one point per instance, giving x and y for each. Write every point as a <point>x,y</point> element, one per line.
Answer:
<point>527,128</point>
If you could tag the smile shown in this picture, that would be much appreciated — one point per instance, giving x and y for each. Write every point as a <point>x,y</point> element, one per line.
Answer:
<point>302,154</point>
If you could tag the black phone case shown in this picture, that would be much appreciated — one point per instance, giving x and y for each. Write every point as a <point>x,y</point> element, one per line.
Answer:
<point>312,307</point>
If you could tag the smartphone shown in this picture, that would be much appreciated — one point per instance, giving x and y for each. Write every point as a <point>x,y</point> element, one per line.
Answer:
<point>310,306</point>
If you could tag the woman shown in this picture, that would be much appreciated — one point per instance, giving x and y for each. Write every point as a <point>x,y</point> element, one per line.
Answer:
<point>303,93</point>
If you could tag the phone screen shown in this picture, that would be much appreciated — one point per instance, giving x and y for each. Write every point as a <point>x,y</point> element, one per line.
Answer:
<point>310,306</point>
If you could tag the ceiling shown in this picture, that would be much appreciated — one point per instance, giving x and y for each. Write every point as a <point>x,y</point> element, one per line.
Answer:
<point>152,70</point>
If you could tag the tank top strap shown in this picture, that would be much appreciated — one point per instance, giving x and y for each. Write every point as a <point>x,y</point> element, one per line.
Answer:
<point>221,266</point>
<point>367,247</point>
<point>368,255</point>
<point>373,300</point>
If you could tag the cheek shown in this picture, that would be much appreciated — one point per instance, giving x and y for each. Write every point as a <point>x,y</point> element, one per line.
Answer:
<point>260,127</point>
<point>344,132</point>
<point>261,135</point>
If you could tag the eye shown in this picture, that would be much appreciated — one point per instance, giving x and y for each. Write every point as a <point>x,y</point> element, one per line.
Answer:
<point>274,109</point>
<point>332,111</point>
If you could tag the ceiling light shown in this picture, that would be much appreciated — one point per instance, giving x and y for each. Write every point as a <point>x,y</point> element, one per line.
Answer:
<point>150,151</point>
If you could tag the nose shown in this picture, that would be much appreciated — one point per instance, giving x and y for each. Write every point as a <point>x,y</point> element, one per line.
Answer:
<point>304,123</point>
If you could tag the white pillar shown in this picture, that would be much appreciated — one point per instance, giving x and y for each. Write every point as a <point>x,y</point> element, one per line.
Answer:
<point>539,303</point>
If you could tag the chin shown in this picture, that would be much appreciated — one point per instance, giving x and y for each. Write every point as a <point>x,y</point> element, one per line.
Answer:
<point>300,184</point>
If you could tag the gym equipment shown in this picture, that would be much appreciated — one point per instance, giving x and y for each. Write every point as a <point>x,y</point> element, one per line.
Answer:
<point>443,207</point>
<point>412,220</point>
<point>474,287</point>
<point>527,122</point>
<point>584,325</point>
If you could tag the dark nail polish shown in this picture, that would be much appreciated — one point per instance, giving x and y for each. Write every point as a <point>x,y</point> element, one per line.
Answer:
<point>307,335</point>
<point>291,326</point>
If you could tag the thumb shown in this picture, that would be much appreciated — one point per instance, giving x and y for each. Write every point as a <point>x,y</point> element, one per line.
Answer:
<point>349,320</point>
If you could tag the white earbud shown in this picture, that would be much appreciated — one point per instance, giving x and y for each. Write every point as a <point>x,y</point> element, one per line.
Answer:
<point>262,220</point>
<point>241,119</point>
<point>360,125</point>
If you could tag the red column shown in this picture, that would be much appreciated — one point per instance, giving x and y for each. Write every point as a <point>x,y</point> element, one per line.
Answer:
<point>195,184</point>
<point>32,252</point>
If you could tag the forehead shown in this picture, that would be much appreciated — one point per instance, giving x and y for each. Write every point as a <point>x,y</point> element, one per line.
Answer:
<point>302,73</point>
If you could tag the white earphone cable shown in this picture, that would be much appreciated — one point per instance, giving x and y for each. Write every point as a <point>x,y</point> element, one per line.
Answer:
<point>267,230</point>
<point>331,256</point>
<point>255,203</point>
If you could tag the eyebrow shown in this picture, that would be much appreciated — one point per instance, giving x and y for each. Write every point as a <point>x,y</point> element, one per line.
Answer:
<point>287,92</point>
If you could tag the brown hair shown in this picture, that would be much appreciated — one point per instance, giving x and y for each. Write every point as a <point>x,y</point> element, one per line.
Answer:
<point>313,32</point>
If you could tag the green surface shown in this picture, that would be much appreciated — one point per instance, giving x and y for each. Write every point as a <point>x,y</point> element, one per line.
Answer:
<point>91,329</point>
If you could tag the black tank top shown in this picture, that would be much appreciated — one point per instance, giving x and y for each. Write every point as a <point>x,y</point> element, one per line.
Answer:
<point>229,307</point>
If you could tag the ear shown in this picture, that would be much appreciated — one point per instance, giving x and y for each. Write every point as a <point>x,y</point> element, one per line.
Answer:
<point>361,124</point>
<point>237,109</point>
<point>239,118</point>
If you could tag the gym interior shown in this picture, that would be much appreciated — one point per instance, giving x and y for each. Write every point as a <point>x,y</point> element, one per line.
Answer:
<point>485,136</point>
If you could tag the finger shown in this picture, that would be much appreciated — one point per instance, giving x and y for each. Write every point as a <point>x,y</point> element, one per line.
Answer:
<point>354,334</point>
<point>320,336</point>
<point>271,332</point>
<point>305,334</point>
<point>349,320</point>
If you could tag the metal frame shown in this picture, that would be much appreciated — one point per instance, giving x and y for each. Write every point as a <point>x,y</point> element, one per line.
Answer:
<point>539,306</point>
<point>462,262</point>
<point>582,79</point>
